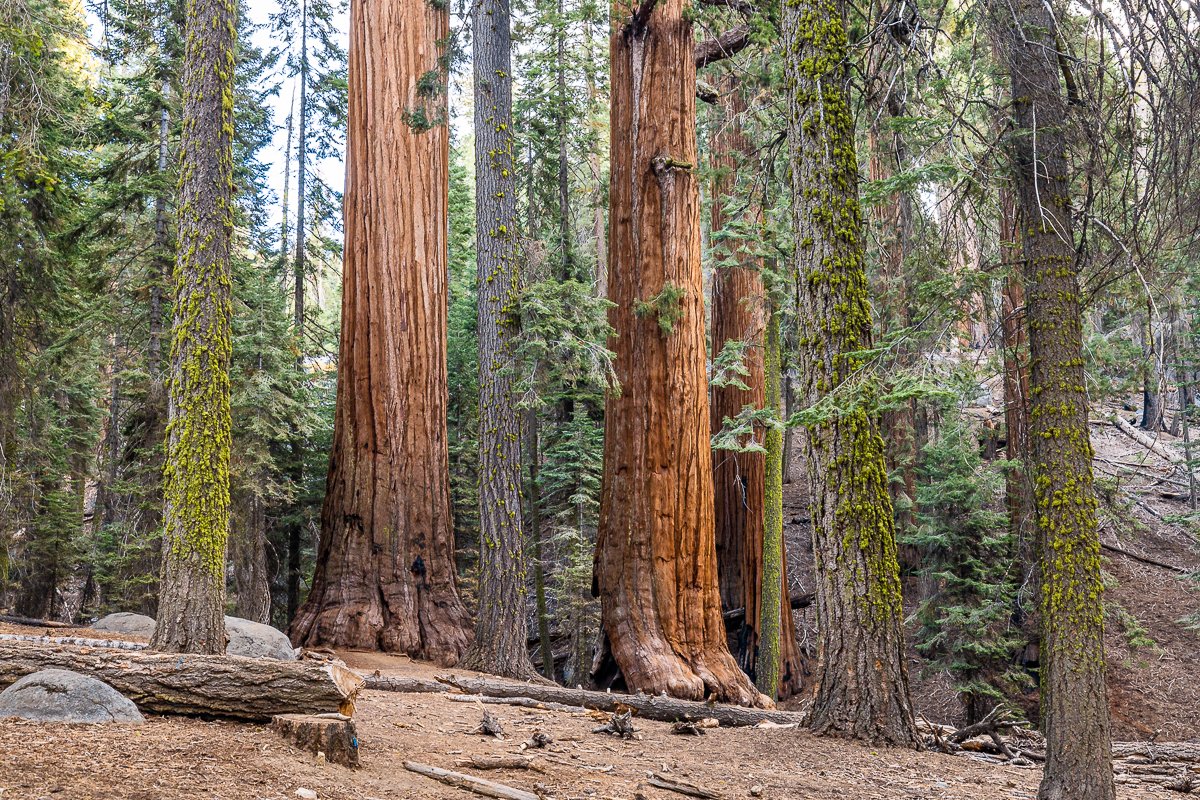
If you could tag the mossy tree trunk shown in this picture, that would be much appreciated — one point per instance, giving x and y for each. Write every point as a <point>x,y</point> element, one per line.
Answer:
<point>862,685</point>
<point>385,569</point>
<point>739,312</point>
<point>888,154</point>
<point>777,663</point>
<point>191,605</point>
<point>1075,713</point>
<point>501,629</point>
<point>655,561</point>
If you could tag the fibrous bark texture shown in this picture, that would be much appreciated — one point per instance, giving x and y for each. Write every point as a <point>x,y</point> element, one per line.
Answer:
<point>199,428</point>
<point>893,218</point>
<point>202,685</point>
<point>738,315</point>
<point>655,569</point>
<point>862,686</point>
<point>739,312</point>
<point>385,569</point>
<point>1074,697</point>
<point>249,554</point>
<point>502,628</point>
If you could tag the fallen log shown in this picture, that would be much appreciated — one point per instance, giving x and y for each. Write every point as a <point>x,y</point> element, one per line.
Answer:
<point>660,708</point>
<point>461,780</point>
<point>77,641</point>
<point>197,685</point>
<point>735,615</point>
<point>32,622</point>
<point>1158,751</point>
<point>1151,443</point>
<point>332,735</point>
<point>1144,559</point>
<point>390,683</point>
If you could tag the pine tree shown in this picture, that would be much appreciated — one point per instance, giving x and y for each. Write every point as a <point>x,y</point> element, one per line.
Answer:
<point>971,557</point>
<point>858,584</point>
<point>501,629</point>
<point>1074,696</point>
<point>196,488</point>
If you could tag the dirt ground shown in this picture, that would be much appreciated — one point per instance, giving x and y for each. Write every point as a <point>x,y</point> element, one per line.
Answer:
<point>186,758</point>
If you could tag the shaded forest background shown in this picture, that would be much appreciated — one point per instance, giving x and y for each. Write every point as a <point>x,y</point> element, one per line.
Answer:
<point>89,132</point>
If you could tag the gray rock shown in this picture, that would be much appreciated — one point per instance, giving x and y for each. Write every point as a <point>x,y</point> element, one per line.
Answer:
<point>256,640</point>
<point>127,623</point>
<point>58,695</point>
<point>246,638</point>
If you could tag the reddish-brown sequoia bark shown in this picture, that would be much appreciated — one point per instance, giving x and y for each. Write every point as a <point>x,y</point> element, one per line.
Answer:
<point>655,569</point>
<point>739,314</point>
<point>385,571</point>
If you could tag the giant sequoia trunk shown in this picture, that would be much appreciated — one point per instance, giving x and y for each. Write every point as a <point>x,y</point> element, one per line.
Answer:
<point>196,478</point>
<point>1074,695</point>
<point>502,628</point>
<point>862,685</point>
<point>739,312</point>
<point>385,570</point>
<point>655,569</point>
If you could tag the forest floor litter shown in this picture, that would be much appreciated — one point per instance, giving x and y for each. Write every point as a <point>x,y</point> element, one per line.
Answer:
<point>178,757</point>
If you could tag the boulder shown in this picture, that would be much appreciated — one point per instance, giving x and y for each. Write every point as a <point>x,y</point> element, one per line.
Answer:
<point>59,695</point>
<point>127,623</point>
<point>256,640</point>
<point>246,638</point>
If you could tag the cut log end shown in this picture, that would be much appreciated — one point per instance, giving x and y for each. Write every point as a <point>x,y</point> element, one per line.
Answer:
<point>332,734</point>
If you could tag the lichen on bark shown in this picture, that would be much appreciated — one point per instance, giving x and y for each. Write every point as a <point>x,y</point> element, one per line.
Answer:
<point>862,685</point>
<point>199,427</point>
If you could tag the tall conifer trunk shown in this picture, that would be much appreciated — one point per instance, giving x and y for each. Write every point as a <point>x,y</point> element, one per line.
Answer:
<point>296,441</point>
<point>862,685</point>
<point>655,567</point>
<point>894,220</point>
<point>1074,695</point>
<point>739,313</point>
<point>196,478</point>
<point>501,630</point>
<point>385,571</point>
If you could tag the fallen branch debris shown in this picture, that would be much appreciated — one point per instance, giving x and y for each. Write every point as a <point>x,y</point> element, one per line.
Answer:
<point>1144,559</point>
<point>461,780</point>
<point>499,762</point>
<point>619,725</point>
<point>1151,443</point>
<point>661,781</point>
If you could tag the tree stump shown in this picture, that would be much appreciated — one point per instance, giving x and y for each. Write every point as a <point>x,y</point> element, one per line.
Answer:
<point>331,734</point>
